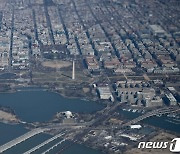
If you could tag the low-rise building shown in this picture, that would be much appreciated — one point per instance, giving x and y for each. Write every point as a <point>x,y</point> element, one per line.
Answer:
<point>166,70</point>
<point>111,63</point>
<point>157,30</point>
<point>104,92</point>
<point>156,101</point>
<point>170,99</point>
<point>91,63</point>
<point>148,64</point>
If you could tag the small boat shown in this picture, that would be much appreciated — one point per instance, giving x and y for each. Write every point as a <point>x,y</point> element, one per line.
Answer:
<point>159,115</point>
<point>134,110</point>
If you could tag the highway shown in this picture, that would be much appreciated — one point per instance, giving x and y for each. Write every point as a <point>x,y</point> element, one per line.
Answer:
<point>21,139</point>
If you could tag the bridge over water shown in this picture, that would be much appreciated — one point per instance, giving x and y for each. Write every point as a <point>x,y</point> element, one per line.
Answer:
<point>44,143</point>
<point>152,113</point>
<point>21,139</point>
<point>51,148</point>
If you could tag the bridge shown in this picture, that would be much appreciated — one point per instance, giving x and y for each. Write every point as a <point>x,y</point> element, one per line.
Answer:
<point>44,143</point>
<point>21,139</point>
<point>161,111</point>
<point>51,148</point>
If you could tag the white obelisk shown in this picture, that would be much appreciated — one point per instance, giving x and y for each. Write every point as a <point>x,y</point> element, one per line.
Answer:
<point>73,70</point>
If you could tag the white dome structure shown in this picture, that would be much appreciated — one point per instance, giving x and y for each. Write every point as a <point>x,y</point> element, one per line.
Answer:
<point>68,114</point>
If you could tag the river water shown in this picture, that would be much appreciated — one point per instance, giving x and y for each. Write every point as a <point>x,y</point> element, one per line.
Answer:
<point>32,106</point>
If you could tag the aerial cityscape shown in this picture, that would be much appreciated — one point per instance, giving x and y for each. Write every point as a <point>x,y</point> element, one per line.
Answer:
<point>89,76</point>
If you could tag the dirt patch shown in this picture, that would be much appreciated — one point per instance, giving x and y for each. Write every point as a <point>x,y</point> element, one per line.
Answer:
<point>7,116</point>
<point>86,90</point>
<point>56,64</point>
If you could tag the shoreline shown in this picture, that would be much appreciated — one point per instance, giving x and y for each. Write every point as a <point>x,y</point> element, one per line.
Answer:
<point>40,88</point>
<point>17,89</point>
<point>8,116</point>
